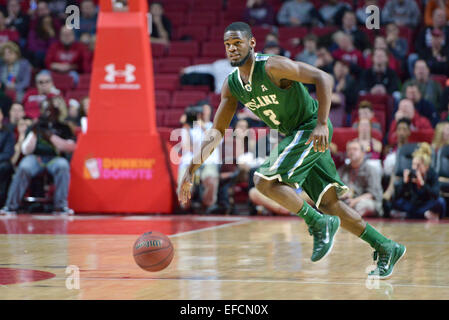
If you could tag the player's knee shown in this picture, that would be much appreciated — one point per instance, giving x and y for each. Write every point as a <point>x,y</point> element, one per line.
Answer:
<point>262,185</point>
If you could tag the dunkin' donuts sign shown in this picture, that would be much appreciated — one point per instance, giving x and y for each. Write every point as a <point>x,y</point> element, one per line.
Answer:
<point>119,168</point>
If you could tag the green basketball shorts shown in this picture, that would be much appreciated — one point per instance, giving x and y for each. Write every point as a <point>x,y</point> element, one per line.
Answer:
<point>298,165</point>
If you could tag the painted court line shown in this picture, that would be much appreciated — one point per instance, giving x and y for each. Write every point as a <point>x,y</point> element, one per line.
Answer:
<point>210,228</point>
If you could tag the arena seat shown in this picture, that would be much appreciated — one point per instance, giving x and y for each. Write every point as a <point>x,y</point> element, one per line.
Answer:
<point>203,60</point>
<point>213,49</point>
<point>172,64</point>
<point>201,88</point>
<point>157,50</point>
<point>177,18</point>
<point>287,33</point>
<point>172,117</point>
<point>84,81</point>
<point>421,136</point>
<point>440,78</point>
<point>198,33</point>
<point>62,81</point>
<point>166,81</point>
<point>182,99</point>
<point>197,18</point>
<point>343,135</point>
<point>162,98</point>
<point>77,94</point>
<point>323,31</point>
<point>183,49</point>
<point>160,117</point>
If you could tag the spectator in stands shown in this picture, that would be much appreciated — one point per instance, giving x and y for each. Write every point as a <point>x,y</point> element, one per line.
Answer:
<point>219,69</point>
<point>15,72</point>
<point>84,113</point>
<point>344,93</point>
<point>16,113</point>
<point>272,46</point>
<point>73,118</point>
<point>161,26</point>
<point>68,55</point>
<point>258,13</point>
<point>88,19</point>
<point>6,152</point>
<point>396,45</point>
<point>402,12</point>
<point>325,60</point>
<point>424,38</point>
<point>34,96</point>
<point>361,14</point>
<point>381,43</point>
<point>332,12</point>
<point>430,89</point>
<point>17,20</point>
<point>43,10</point>
<point>349,26</point>
<point>431,6</point>
<point>363,180</point>
<point>192,136</point>
<point>347,52</point>
<point>309,54</point>
<point>21,130</point>
<point>58,7</point>
<point>39,40</point>
<point>402,133</point>
<point>365,112</point>
<point>424,107</point>
<point>416,195</point>
<point>379,79</point>
<point>370,146</point>
<point>437,56</point>
<point>297,13</point>
<point>46,146</point>
<point>441,136</point>
<point>406,109</point>
<point>7,34</point>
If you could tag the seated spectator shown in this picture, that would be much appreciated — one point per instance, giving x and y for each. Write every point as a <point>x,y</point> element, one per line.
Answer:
<point>34,96</point>
<point>21,130</point>
<point>361,14</point>
<point>416,195</point>
<point>16,113</point>
<point>219,70</point>
<point>325,60</point>
<point>379,79</point>
<point>349,26</point>
<point>15,72</point>
<point>6,152</point>
<point>363,180</point>
<point>430,89</point>
<point>406,109</point>
<point>424,107</point>
<point>84,113</point>
<point>402,134</point>
<point>437,56</point>
<point>441,136</point>
<point>272,46</point>
<point>88,19</point>
<point>431,6</point>
<point>46,146</point>
<point>73,118</point>
<point>370,146</point>
<point>381,43</point>
<point>193,133</point>
<point>297,13</point>
<point>7,34</point>
<point>344,92</point>
<point>309,54</point>
<point>402,12</point>
<point>424,38</point>
<point>365,112</point>
<point>40,38</point>
<point>17,20</point>
<point>347,52</point>
<point>332,12</point>
<point>258,13</point>
<point>43,10</point>
<point>161,29</point>
<point>68,55</point>
<point>396,45</point>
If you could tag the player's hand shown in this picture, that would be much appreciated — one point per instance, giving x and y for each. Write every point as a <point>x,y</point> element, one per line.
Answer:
<point>320,138</point>
<point>185,189</point>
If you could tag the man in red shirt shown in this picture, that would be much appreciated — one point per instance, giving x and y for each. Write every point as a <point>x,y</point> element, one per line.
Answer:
<point>68,55</point>
<point>34,96</point>
<point>406,109</point>
<point>347,51</point>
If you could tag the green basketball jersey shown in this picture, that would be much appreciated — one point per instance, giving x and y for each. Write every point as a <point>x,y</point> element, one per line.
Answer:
<point>281,109</point>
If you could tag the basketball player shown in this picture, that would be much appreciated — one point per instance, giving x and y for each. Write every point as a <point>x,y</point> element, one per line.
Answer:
<point>271,87</point>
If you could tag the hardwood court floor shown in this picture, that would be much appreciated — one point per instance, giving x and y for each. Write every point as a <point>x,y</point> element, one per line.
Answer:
<point>215,258</point>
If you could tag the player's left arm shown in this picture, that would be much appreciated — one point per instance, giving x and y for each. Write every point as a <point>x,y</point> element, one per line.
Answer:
<point>279,68</point>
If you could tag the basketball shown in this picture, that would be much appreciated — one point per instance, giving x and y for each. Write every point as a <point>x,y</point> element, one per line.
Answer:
<point>153,251</point>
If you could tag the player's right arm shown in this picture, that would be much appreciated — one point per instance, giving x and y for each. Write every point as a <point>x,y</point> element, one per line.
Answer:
<point>222,119</point>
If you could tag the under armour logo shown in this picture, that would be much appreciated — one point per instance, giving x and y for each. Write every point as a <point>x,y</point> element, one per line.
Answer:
<point>112,73</point>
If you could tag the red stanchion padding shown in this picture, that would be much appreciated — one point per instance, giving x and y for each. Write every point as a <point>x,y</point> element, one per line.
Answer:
<point>119,164</point>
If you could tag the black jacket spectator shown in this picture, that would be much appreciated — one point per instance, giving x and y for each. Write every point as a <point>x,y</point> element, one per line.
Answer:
<point>6,152</point>
<point>370,78</point>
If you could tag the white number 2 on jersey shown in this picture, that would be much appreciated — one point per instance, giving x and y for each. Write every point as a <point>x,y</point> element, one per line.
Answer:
<point>269,113</point>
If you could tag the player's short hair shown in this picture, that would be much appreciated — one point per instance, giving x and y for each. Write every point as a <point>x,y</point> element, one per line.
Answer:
<point>240,26</point>
<point>365,104</point>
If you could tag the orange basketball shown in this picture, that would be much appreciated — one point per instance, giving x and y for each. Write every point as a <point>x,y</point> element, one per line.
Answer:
<point>153,251</point>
